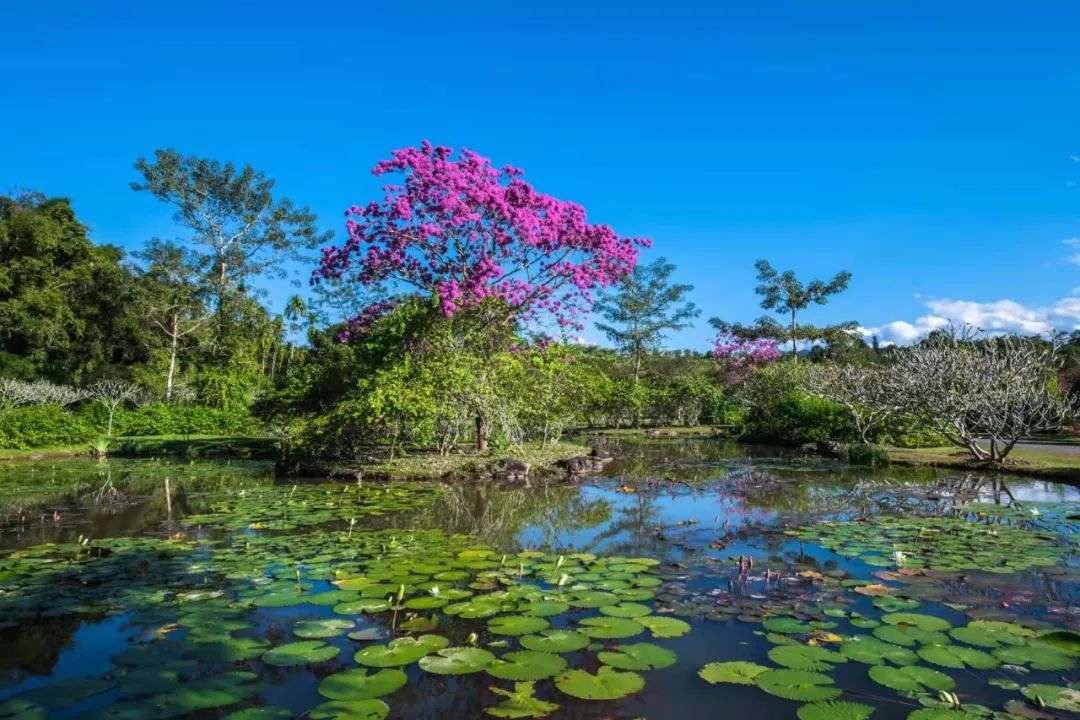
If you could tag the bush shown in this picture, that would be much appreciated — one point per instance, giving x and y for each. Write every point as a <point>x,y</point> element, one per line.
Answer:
<point>35,426</point>
<point>162,419</point>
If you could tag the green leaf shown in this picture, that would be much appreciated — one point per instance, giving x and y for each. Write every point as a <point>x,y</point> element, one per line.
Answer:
<point>912,678</point>
<point>664,627</point>
<point>527,665</point>
<point>835,710</point>
<point>402,651</point>
<point>626,610</point>
<point>457,661</point>
<point>991,633</point>
<point>358,684</point>
<point>517,625</point>
<point>606,684</point>
<point>735,671</point>
<point>805,657</point>
<point>797,685</point>
<point>872,651</point>
<point>350,710</point>
<point>611,628</point>
<point>918,620</point>
<point>1038,656</point>
<point>330,627</point>
<point>639,656</point>
<point>956,657</point>
<point>1055,696</point>
<point>556,641</point>
<point>520,703</point>
<point>300,653</point>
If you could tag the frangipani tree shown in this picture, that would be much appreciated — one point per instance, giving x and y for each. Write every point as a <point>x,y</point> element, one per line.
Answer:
<point>459,230</point>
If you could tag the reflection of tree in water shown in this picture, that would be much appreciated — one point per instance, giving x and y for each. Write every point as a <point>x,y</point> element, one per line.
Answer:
<point>496,515</point>
<point>33,647</point>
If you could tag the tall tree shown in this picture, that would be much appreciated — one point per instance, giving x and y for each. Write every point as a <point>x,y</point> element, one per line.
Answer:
<point>240,230</point>
<point>786,295</point>
<point>66,303</point>
<point>172,299</point>
<point>643,309</point>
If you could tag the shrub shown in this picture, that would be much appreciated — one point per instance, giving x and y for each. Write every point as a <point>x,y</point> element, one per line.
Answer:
<point>862,454</point>
<point>162,419</point>
<point>35,426</point>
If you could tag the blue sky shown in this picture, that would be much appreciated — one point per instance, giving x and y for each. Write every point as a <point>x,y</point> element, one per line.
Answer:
<point>928,147</point>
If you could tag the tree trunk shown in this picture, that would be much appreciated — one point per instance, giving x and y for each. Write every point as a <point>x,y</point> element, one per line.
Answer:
<point>794,349</point>
<point>481,433</point>
<point>172,359</point>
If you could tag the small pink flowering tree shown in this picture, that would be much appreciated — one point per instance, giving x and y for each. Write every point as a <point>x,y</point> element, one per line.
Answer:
<point>468,236</point>
<point>738,357</point>
<point>463,232</point>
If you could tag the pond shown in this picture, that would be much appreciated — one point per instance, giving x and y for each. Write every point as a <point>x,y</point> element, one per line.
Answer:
<point>690,579</point>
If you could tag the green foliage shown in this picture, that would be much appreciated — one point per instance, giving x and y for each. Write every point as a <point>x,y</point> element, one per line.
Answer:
<point>162,419</point>
<point>863,454</point>
<point>35,426</point>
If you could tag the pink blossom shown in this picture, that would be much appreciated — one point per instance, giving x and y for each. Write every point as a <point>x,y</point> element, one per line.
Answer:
<point>462,231</point>
<point>739,357</point>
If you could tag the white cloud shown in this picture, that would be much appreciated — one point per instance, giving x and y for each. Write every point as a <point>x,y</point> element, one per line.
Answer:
<point>1074,243</point>
<point>994,317</point>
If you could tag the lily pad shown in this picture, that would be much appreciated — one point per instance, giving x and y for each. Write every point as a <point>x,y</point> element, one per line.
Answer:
<point>300,653</point>
<point>956,657</point>
<point>457,661</point>
<point>611,628</point>
<point>527,665</point>
<point>358,684</point>
<point>520,702</point>
<point>872,651</point>
<point>737,672</point>
<point>805,657</point>
<point>797,685</point>
<point>1036,655</point>
<point>331,627</point>
<point>835,710</point>
<point>911,678</point>
<point>517,625</point>
<point>1054,696</point>
<point>664,627</point>
<point>638,656</point>
<point>371,709</point>
<point>606,684</point>
<point>556,641</point>
<point>402,651</point>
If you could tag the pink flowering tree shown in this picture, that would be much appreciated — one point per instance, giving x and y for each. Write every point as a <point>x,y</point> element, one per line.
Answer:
<point>738,357</point>
<point>463,232</point>
<point>454,230</point>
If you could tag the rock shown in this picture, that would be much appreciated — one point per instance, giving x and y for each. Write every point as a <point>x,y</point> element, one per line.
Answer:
<point>828,448</point>
<point>583,464</point>
<point>512,469</point>
<point>601,454</point>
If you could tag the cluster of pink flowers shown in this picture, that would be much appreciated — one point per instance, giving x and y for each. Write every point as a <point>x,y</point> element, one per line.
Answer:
<point>739,357</point>
<point>460,230</point>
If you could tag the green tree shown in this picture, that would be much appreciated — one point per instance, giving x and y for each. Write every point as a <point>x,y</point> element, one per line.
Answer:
<point>643,309</point>
<point>786,295</point>
<point>172,300</point>
<point>66,304</point>
<point>239,229</point>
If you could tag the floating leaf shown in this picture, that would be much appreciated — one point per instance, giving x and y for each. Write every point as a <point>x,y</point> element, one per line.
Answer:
<point>517,625</point>
<point>402,651</point>
<point>991,633</point>
<point>611,628</point>
<point>1038,656</point>
<point>606,684</point>
<point>872,651</point>
<point>331,627</point>
<point>797,685</point>
<point>527,665</point>
<point>664,627</point>
<point>357,684</point>
<point>520,703</point>
<point>300,653</point>
<point>638,656</point>
<point>835,710</point>
<point>736,671</point>
<point>805,657</point>
<point>350,710</point>
<point>457,661</point>
<point>954,656</point>
<point>911,678</point>
<point>918,620</point>
<point>1055,696</point>
<point>626,610</point>
<point>556,641</point>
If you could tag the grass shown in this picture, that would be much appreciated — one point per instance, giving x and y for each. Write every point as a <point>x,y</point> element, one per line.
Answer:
<point>1040,463</point>
<point>192,446</point>
<point>663,431</point>
<point>434,466</point>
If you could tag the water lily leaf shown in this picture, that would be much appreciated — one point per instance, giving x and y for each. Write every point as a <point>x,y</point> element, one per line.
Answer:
<point>611,628</point>
<point>606,684</point>
<point>1055,696</point>
<point>402,651</point>
<point>592,599</point>
<point>230,650</point>
<point>835,710</point>
<point>805,657</point>
<point>871,651</point>
<point>797,685</point>
<point>357,684</point>
<point>954,656</point>
<point>264,712</point>
<point>638,656</point>
<point>1037,655</point>
<point>942,714</point>
<point>917,620</point>
<point>527,665</point>
<point>909,635</point>
<point>626,610</point>
<point>216,691</point>
<point>331,627</point>
<point>664,627</point>
<point>370,634</point>
<point>517,625</point>
<point>365,605</point>
<point>1064,640</point>
<point>991,633</point>
<point>350,710</point>
<point>736,671</point>
<point>57,694</point>
<point>556,641</point>
<point>787,626</point>
<point>300,653</point>
<point>911,678</point>
<point>544,608</point>
<point>457,661</point>
<point>520,703</point>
